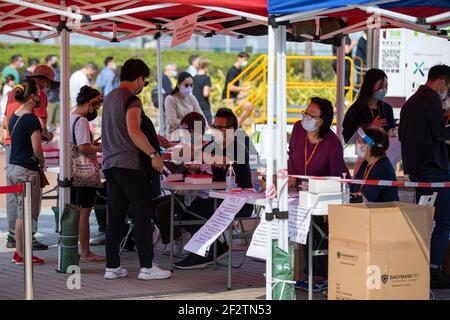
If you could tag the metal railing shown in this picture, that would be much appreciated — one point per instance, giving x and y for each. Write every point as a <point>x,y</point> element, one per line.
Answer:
<point>298,90</point>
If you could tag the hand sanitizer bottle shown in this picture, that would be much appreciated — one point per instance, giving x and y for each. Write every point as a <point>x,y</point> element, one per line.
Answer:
<point>230,180</point>
<point>345,191</point>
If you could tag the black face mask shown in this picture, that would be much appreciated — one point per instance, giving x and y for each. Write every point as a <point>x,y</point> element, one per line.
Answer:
<point>54,65</point>
<point>37,103</point>
<point>92,115</point>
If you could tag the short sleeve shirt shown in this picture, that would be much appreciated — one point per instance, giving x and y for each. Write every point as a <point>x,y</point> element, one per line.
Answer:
<point>21,147</point>
<point>231,75</point>
<point>81,129</point>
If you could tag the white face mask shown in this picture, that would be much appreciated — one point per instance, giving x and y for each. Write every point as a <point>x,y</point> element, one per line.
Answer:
<point>360,150</point>
<point>244,63</point>
<point>309,124</point>
<point>113,66</point>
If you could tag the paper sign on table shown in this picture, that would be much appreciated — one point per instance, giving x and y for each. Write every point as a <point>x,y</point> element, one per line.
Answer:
<point>258,245</point>
<point>299,223</point>
<point>215,226</point>
<point>184,27</point>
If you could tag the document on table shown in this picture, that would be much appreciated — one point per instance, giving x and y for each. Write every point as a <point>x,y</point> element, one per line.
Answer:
<point>258,245</point>
<point>394,152</point>
<point>299,223</point>
<point>215,226</point>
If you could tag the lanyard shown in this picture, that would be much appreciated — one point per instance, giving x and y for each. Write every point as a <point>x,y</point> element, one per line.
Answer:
<point>373,115</point>
<point>308,159</point>
<point>367,172</point>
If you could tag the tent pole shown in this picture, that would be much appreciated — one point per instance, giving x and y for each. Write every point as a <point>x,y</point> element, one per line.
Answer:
<point>64,191</point>
<point>269,160</point>
<point>281,136</point>
<point>340,90</point>
<point>160,96</point>
<point>283,197</point>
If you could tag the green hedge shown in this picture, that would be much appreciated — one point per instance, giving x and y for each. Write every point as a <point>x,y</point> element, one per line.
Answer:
<point>220,63</point>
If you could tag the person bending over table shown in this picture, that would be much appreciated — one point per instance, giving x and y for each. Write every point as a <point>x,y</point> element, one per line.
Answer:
<point>371,144</point>
<point>315,150</point>
<point>233,147</point>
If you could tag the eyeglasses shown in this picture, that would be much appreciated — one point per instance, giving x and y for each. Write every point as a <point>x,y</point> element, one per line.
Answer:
<point>220,127</point>
<point>308,115</point>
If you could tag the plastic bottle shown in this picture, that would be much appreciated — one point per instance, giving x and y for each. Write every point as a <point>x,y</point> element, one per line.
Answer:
<point>230,180</point>
<point>345,191</point>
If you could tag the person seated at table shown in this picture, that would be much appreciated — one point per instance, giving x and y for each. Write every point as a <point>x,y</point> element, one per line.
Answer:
<point>315,150</point>
<point>192,129</point>
<point>227,146</point>
<point>371,145</point>
<point>83,194</point>
<point>180,102</point>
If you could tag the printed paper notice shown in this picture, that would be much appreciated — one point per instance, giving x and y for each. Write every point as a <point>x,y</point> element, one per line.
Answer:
<point>215,226</point>
<point>183,29</point>
<point>299,223</point>
<point>258,245</point>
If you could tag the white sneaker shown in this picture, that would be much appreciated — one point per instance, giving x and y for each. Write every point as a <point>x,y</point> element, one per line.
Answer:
<point>154,273</point>
<point>98,241</point>
<point>115,273</point>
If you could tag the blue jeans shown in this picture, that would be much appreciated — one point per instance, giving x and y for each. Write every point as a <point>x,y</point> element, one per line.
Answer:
<point>440,237</point>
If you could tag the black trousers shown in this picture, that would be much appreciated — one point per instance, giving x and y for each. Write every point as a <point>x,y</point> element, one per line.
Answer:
<point>127,187</point>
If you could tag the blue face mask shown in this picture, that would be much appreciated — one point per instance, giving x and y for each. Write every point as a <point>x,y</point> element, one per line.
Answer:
<point>380,94</point>
<point>186,91</point>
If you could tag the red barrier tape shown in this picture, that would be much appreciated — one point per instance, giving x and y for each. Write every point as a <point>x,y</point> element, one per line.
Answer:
<point>12,189</point>
<point>388,183</point>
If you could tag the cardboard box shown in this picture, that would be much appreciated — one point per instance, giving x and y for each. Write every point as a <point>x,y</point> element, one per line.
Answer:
<point>379,251</point>
<point>324,186</point>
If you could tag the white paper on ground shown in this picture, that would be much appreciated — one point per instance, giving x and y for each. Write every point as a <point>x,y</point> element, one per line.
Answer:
<point>258,245</point>
<point>299,223</point>
<point>215,226</point>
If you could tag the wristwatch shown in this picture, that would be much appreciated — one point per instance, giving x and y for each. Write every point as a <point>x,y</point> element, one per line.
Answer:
<point>152,155</point>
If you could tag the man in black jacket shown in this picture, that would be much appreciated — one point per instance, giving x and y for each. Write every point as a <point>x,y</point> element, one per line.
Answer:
<point>423,133</point>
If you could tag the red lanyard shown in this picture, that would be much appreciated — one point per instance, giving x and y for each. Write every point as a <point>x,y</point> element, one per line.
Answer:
<point>367,172</point>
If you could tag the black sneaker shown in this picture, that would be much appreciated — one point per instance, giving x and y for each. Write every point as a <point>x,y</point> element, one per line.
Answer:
<point>38,245</point>
<point>11,242</point>
<point>222,252</point>
<point>192,261</point>
<point>439,280</point>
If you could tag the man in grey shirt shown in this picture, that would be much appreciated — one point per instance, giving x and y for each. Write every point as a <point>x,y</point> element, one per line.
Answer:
<point>128,183</point>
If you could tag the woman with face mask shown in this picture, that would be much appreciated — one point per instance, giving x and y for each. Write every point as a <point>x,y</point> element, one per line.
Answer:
<point>179,103</point>
<point>89,101</point>
<point>315,150</point>
<point>370,108</point>
<point>26,157</point>
<point>371,145</point>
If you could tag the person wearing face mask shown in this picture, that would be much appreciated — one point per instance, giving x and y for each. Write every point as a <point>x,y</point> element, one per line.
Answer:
<point>235,89</point>
<point>370,108</point>
<point>315,150</point>
<point>43,77</point>
<point>14,67</point>
<point>371,145</point>
<point>107,79</point>
<point>53,94</point>
<point>423,133</point>
<point>26,158</point>
<point>179,103</point>
<point>89,101</point>
<point>128,175</point>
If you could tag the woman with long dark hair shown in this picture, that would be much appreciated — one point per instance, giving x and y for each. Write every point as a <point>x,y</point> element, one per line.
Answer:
<point>370,108</point>
<point>180,102</point>
<point>26,157</point>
